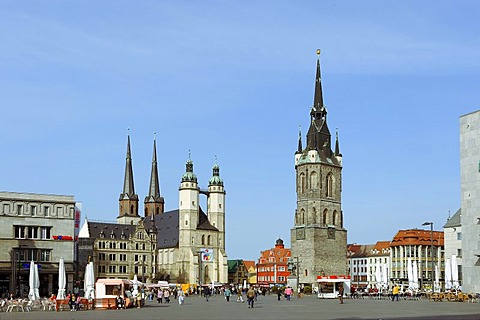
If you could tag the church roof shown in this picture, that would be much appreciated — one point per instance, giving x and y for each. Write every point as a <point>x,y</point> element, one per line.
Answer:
<point>167,225</point>
<point>167,229</point>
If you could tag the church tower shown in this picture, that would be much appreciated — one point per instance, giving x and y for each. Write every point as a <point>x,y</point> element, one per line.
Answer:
<point>154,204</point>
<point>216,204</point>
<point>128,202</point>
<point>188,211</point>
<point>318,237</point>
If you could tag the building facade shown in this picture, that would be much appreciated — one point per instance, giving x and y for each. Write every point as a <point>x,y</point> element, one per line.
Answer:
<point>272,266</point>
<point>369,265</point>
<point>452,233</point>
<point>39,228</point>
<point>415,244</point>
<point>470,199</point>
<point>237,272</point>
<point>318,238</point>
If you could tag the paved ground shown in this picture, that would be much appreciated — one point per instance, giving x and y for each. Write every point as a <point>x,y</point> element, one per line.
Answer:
<point>268,307</point>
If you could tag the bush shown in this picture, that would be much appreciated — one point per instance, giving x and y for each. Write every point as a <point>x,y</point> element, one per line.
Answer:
<point>307,289</point>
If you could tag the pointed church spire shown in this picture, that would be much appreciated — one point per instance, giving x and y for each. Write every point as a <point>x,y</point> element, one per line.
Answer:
<point>318,109</point>
<point>128,186</point>
<point>300,147</point>
<point>154,189</point>
<point>337,144</point>
<point>128,202</point>
<point>154,203</point>
<point>318,135</point>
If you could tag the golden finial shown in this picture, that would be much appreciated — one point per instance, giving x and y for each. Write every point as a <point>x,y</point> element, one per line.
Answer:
<point>318,52</point>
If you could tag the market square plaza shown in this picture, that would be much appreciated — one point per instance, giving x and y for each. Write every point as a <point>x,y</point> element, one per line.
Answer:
<point>267,307</point>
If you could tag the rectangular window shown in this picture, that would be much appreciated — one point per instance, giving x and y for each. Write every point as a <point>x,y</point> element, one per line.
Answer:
<point>33,210</point>
<point>459,236</point>
<point>46,211</point>
<point>459,253</point>
<point>33,232</point>
<point>45,232</point>
<point>6,208</point>
<point>44,255</point>
<point>19,209</point>
<point>112,269</point>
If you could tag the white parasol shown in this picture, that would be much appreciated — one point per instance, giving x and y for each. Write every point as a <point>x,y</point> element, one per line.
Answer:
<point>455,283</point>
<point>415,275</point>
<point>37,283</point>
<point>448,275</point>
<point>61,279</point>
<point>135,283</point>
<point>378,276</point>
<point>385,275</point>
<point>436,287</point>
<point>31,281</point>
<point>89,282</point>
<point>410,273</point>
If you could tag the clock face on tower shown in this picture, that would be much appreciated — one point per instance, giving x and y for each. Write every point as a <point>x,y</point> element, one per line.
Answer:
<point>300,233</point>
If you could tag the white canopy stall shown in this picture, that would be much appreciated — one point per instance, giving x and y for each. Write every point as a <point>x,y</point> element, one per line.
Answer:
<point>328,286</point>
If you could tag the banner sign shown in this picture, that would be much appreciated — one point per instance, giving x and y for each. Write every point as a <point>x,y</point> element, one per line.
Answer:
<point>207,255</point>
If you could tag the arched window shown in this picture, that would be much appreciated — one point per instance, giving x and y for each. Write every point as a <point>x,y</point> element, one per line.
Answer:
<point>313,180</point>
<point>329,185</point>
<point>203,239</point>
<point>302,216</point>
<point>208,240</point>
<point>314,215</point>
<point>206,277</point>
<point>324,217</point>
<point>131,209</point>
<point>335,216</point>
<point>302,182</point>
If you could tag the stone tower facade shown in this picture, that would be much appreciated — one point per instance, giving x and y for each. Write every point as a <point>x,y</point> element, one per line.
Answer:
<point>318,238</point>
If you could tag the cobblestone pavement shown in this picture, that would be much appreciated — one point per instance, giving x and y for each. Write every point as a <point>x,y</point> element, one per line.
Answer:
<point>268,307</point>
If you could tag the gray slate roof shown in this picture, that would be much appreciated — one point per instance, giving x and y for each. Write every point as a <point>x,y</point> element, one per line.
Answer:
<point>119,231</point>
<point>455,220</point>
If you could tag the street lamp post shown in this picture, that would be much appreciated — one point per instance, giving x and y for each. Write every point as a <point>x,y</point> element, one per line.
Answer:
<point>431,249</point>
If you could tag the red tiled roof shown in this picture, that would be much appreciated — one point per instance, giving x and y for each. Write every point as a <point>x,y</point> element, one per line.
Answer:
<point>417,237</point>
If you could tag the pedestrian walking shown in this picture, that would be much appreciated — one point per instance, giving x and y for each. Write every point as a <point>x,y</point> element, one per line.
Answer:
<point>207,293</point>
<point>227,294</point>
<point>239,296</point>
<point>340,293</point>
<point>160,296</point>
<point>250,297</point>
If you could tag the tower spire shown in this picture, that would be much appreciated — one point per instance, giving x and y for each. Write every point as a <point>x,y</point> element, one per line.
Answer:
<point>128,185</point>
<point>318,109</point>
<point>318,135</point>
<point>128,202</point>
<point>154,203</point>
<point>300,146</point>
<point>337,144</point>
<point>154,189</point>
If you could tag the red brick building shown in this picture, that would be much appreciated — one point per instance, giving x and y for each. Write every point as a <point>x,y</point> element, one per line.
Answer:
<point>272,266</point>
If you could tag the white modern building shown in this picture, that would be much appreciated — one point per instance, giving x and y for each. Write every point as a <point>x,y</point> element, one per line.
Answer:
<point>452,234</point>
<point>470,199</point>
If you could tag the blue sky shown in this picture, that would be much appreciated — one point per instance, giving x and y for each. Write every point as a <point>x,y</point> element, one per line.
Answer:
<point>235,79</point>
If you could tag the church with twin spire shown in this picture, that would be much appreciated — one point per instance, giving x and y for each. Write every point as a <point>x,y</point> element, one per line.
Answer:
<point>185,245</point>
